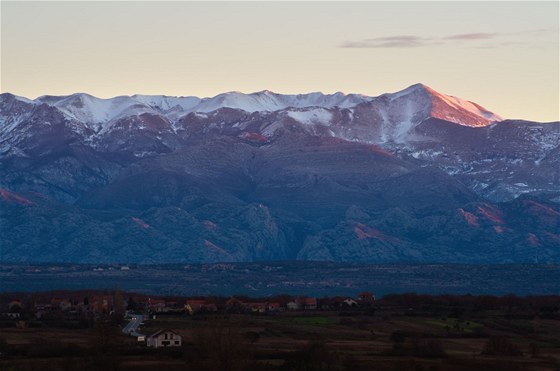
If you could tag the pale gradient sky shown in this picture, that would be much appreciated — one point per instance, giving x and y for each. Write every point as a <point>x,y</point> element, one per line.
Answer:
<point>502,55</point>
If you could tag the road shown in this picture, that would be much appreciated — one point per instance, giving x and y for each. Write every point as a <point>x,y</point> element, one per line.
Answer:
<point>132,326</point>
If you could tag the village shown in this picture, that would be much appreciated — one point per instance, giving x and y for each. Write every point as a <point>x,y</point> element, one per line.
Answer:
<point>135,308</point>
<point>237,305</point>
<point>118,330</point>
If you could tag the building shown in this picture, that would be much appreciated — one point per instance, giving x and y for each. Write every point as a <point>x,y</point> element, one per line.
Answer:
<point>257,307</point>
<point>157,305</point>
<point>293,305</point>
<point>163,339</point>
<point>366,298</point>
<point>199,305</point>
<point>234,304</point>
<point>12,315</point>
<point>15,306</point>
<point>273,307</point>
<point>309,303</point>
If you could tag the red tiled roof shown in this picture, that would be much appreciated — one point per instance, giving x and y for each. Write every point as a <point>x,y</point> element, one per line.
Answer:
<point>196,302</point>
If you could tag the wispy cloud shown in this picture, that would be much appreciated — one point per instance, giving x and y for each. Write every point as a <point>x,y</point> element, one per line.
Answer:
<point>504,44</point>
<point>475,39</point>
<point>472,36</point>
<point>402,41</point>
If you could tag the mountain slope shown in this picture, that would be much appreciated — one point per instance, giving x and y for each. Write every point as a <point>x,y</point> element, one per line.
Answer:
<point>409,176</point>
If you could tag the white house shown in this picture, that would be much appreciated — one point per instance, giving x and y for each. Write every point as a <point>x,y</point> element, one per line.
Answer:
<point>350,302</point>
<point>293,305</point>
<point>164,338</point>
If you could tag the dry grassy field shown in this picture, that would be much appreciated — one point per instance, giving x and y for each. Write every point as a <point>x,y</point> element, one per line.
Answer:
<point>321,340</point>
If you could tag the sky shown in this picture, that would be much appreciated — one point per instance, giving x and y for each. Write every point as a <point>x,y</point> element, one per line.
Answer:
<point>503,55</point>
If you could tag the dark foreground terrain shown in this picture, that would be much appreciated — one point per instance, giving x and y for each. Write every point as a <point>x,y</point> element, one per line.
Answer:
<point>297,278</point>
<point>396,332</point>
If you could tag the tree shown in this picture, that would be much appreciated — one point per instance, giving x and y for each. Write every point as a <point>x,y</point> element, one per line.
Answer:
<point>106,334</point>
<point>501,345</point>
<point>118,306</point>
<point>131,304</point>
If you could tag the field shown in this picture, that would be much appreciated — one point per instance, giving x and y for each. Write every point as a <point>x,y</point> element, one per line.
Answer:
<point>379,338</point>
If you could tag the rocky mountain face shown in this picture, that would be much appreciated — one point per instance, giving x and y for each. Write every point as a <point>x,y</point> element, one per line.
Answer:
<point>412,176</point>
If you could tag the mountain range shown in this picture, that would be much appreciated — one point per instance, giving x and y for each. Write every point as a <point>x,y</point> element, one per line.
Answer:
<point>412,176</point>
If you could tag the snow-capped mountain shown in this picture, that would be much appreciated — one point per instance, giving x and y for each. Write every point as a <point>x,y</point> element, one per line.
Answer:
<point>441,106</point>
<point>269,101</point>
<point>414,175</point>
<point>89,109</point>
<point>387,118</point>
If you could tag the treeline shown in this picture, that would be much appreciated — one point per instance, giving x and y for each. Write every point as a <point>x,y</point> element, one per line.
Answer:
<point>547,306</point>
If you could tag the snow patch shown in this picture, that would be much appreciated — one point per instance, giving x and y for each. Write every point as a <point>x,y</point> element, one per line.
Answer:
<point>314,116</point>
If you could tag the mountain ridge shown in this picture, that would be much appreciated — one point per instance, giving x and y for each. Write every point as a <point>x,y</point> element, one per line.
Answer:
<point>264,100</point>
<point>412,176</point>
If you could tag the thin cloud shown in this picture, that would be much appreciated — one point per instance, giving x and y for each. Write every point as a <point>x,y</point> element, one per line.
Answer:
<point>401,41</point>
<point>538,31</point>
<point>517,44</point>
<point>473,36</point>
<point>413,41</point>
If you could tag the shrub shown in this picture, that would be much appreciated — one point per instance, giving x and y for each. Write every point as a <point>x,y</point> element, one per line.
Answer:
<point>500,345</point>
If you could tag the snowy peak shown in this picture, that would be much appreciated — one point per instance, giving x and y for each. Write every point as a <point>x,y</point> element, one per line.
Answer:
<point>166,103</point>
<point>411,90</point>
<point>267,101</point>
<point>13,111</point>
<point>391,117</point>
<point>97,111</point>
<point>92,110</point>
<point>6,98</point>
<point>461,111</point>
<point>417,100</point>
<point>445,107</point>
<point>236,100</point>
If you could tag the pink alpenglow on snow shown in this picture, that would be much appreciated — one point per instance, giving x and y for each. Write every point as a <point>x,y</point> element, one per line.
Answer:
<point>13,197</point>
<point>491,213</point>
<point>364,231</point>
<point>215,248</point>
<point>471,219</point>
<point>210,225</point>
<point>140,222</point>
<point>499,229</point>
